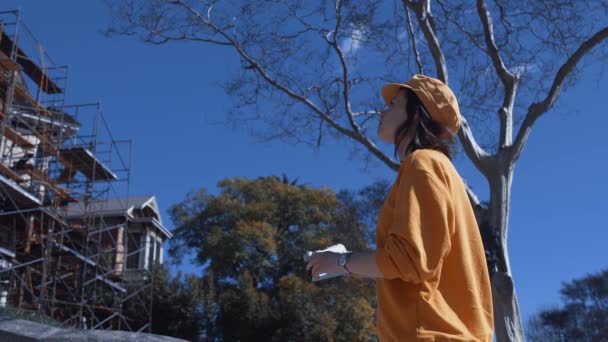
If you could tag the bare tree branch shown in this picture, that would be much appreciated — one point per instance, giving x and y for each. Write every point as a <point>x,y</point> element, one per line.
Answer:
<point>183,37</point>
<point>537,109</point>
<point>478,155</point>
<point>368,143</point>
<point>265,74</point>
<point>509,80</point>
<point>469,34</point>
<point>369,112</point>
<point>506,77</point>
<point>345,86</point>
<point>423,11</point>
<point>413,37</point>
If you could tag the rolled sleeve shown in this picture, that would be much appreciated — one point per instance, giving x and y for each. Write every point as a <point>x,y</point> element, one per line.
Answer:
<point>421,230</point>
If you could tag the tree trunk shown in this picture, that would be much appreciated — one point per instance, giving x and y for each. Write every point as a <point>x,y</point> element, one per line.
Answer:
<point>507,318</point>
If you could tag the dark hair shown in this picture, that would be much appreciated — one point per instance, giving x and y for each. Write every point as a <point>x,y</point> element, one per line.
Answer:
<point>429,134</point>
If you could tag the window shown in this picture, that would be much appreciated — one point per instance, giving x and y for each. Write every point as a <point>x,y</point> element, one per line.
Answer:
<point>158,251</point>
<point>151,251</point>
<point>134,243</point>
<point>154,250</point>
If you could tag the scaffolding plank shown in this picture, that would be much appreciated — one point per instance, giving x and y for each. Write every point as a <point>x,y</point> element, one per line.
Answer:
<point>75,254</point>
<point>10,173</point>
<point>21,197</point>
<point>48,148</point>
<point>6,252</point>
<point>29,67</point>
<point>7,64</point>
<point>84,161</point>
<point>41,177</point>
<point>17,138</point>
<point>92,263</point>
<point>23,95</point>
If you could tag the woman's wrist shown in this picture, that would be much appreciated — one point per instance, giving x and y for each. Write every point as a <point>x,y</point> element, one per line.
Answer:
<point>363,264</point>
<point>343,260</point>
<point>349,254</point>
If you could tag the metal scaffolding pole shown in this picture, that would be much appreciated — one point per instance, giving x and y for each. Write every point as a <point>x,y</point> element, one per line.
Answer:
<point>58,252</point>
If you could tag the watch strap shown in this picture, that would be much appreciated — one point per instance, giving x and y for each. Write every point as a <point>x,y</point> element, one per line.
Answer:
<point>348,255</point>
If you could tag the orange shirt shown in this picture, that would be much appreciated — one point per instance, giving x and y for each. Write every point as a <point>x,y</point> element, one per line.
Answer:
<point>436,285</point>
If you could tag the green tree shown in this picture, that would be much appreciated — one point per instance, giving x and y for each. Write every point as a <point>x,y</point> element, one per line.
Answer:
<point>365,205</point>
<point>582,317</point>
<point>177,305</point>
<point>252,237</point>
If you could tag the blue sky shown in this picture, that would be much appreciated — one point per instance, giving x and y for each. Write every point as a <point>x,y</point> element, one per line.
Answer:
<point>166,100</point>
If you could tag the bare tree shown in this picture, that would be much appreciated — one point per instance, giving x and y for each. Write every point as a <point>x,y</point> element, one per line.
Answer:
<point>307,73</point>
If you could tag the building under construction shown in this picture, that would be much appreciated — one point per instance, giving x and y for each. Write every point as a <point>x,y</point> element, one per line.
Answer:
<point>73,244</point>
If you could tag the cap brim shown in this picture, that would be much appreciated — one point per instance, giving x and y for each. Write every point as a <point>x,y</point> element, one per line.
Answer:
<point>390,91</point>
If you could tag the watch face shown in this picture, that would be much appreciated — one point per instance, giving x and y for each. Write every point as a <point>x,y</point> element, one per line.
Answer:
<point>342,260</point>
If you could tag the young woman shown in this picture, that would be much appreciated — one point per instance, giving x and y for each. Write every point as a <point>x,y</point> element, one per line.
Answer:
<point>430,268</point>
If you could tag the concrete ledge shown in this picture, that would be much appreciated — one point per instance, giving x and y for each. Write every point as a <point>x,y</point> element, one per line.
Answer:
<point>18,330</point>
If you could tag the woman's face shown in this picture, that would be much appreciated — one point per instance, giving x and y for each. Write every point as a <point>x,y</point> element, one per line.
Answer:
<point>392,118</point>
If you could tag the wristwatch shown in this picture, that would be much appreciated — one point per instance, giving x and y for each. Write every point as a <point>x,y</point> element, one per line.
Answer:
<point>343,259</point>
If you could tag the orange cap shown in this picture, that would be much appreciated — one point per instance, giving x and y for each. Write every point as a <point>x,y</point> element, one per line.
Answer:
<point>436,96</point>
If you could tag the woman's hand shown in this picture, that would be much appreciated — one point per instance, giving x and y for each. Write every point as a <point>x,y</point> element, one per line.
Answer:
<point>323,262</point>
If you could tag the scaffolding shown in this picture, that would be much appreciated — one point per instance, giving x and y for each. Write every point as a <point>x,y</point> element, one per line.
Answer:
<point>60,254</point>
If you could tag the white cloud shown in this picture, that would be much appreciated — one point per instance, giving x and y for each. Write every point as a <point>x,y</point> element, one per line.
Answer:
<point>419,37</point>
<point>350,45</point>
<point>525,68</point>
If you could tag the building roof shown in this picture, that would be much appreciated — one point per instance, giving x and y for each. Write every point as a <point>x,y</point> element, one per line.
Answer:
<point>119,207</point>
